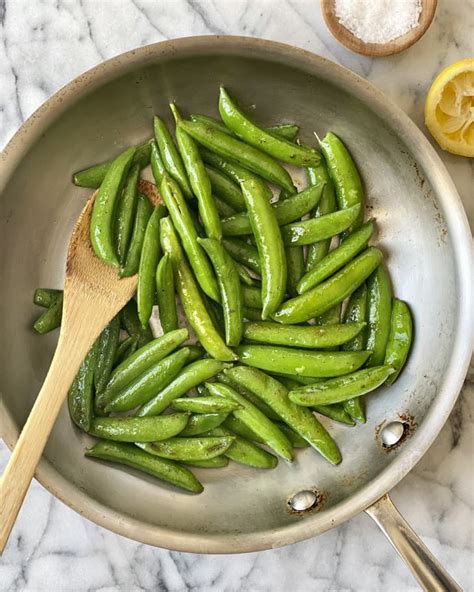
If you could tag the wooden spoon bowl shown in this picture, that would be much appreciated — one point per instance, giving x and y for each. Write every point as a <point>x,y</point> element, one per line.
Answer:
<point>346,38</point>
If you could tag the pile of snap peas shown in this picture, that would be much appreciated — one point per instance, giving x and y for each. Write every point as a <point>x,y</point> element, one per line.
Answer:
<point>292,310</point>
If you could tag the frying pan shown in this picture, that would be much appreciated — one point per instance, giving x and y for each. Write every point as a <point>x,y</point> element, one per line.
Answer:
<point>421,227</point>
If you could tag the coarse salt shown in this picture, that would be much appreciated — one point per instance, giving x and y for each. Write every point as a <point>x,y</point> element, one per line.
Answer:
<point>378,21</point>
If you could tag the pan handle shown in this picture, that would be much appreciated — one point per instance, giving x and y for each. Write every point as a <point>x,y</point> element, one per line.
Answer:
<point>430,574</point>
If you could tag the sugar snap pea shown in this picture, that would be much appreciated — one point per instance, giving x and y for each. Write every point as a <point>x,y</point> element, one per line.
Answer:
<point>182,221</point>
<point>241,429</point>
<point>319,364</point>
<point>203,422</point>
<point>184,449</point>
<point>289,131</point>
<point>126,211</point>
<point>341,388</point>
<point>191,299</point>
<point>81,394</point>
<point>244,451</point>
<point>320,228</point>
<point>198,179</point>
<point>151,253</point>
<point>286,211</point>
<point>225,188</point>
<point>337,258</point>
<point>296,440</point>
<point>345,176</point>
<point>190,377</point>
<point>244,392</point>
<point>243,253</point>
<point>223,209</point>
<point>131,323</point>
<point>125,349</point>
<point>269,245</point>
<point>379,310</point>
<point>130,455</point>
<point>102,218</point>
<point>132,260</point>
<point>138,429</point>
<point>143,388</point>
<point>156,162</point>
<point>170,156</point>
<point>165,291</point>
<point>106,350</point>
<point>45,297</point>
<point>309,336</point>
<point>255,420</point>
<point>93,176</point>
<point>244,275</point>
<point>217,462</point>
<point>196,352</point>
<point>302,421</point>
<point>51,318</point>
<point>400,338</point>
<point>254,135</point>
<point>330,292</point>
<point>230,289</point>
<point>204,405</point>
<point>252,314</point>
<point>256,161</point>
<point>252,296</point>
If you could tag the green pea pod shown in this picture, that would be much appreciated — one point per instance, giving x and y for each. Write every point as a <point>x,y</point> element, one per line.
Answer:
<point>269,245</point>
<point>289,131</point>
<point>337,258</point>
<point>255,420</point>
<point>342,388</point>
<point>190,377</point>
<point>143,388</point>
<point>183,223</point>
<point>170,156</point>
<point>301,420</point>
<point>330,292</point>
<point>138,429</point>
<point>309,336</point>
<point>319,364</point>
<point>256,401</point>
<point>45,297</point>
<point>244,275</point>
<point>328,318</point>
<point>295,267</point>
<point>93,176</point>
<point>344,175</point>
<point>81,394</point>
<point>131,323</point>
<point>239,152</point>
<point>130,455</point>
<point>125,349</point>
<point>254,135</point>
<point>296,440</point>
<point>141,361</point>
<point>184,449</point>
<point>400,338</point>
<point>203,422</point>
<point>211,463</point>
<point>233,171</point>
<point>327,205</point>
<point>157,166</point>
<point>379,311</point>
<point>126,212</point>
<point>230,289</point>
<point>165,291</point>
<point>241,429</point>
<point>191,299</point>
<point>320,228</point>
<point>198,178</point>
<point>225,188</point>
<point>245,452</point>
<point>223,209</point>
<point>106,350</point>
<point>243,253</point>
<point>204,405</point>
<point>132,260</point>
<point>196,352</point>
<point>102,218</point>
<point>51,318</point>
<point>252,296</point>
<point>286,211</point>
<point>252,314</point>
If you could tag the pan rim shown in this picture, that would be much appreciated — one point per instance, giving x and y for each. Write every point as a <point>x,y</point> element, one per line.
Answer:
<point>456,220</point>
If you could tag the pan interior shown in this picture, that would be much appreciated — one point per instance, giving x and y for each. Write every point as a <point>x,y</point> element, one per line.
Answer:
<point>39,207</point>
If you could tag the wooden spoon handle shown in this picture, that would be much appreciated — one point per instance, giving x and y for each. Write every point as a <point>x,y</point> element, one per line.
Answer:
<point>29,448</point>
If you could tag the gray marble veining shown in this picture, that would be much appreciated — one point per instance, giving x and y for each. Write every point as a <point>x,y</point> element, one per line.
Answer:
<point>46,43</point>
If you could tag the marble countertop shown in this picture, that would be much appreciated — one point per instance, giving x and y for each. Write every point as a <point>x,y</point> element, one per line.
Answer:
<point>45,44</point>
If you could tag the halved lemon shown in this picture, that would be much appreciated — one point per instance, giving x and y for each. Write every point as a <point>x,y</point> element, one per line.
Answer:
<point>449,108</point>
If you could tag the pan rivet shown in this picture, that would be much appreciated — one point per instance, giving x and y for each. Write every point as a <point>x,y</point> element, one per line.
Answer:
<point>392,433</point>
<point>303,500</point>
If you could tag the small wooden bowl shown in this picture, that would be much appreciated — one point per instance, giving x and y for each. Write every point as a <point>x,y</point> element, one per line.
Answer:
<point>346,38</point>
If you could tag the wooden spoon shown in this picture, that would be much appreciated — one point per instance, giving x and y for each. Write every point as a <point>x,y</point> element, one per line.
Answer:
<point>93,295</point>
<point>346,38</point>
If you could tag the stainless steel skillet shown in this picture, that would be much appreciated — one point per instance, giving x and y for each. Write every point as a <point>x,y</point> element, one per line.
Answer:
<point>422,228</point>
